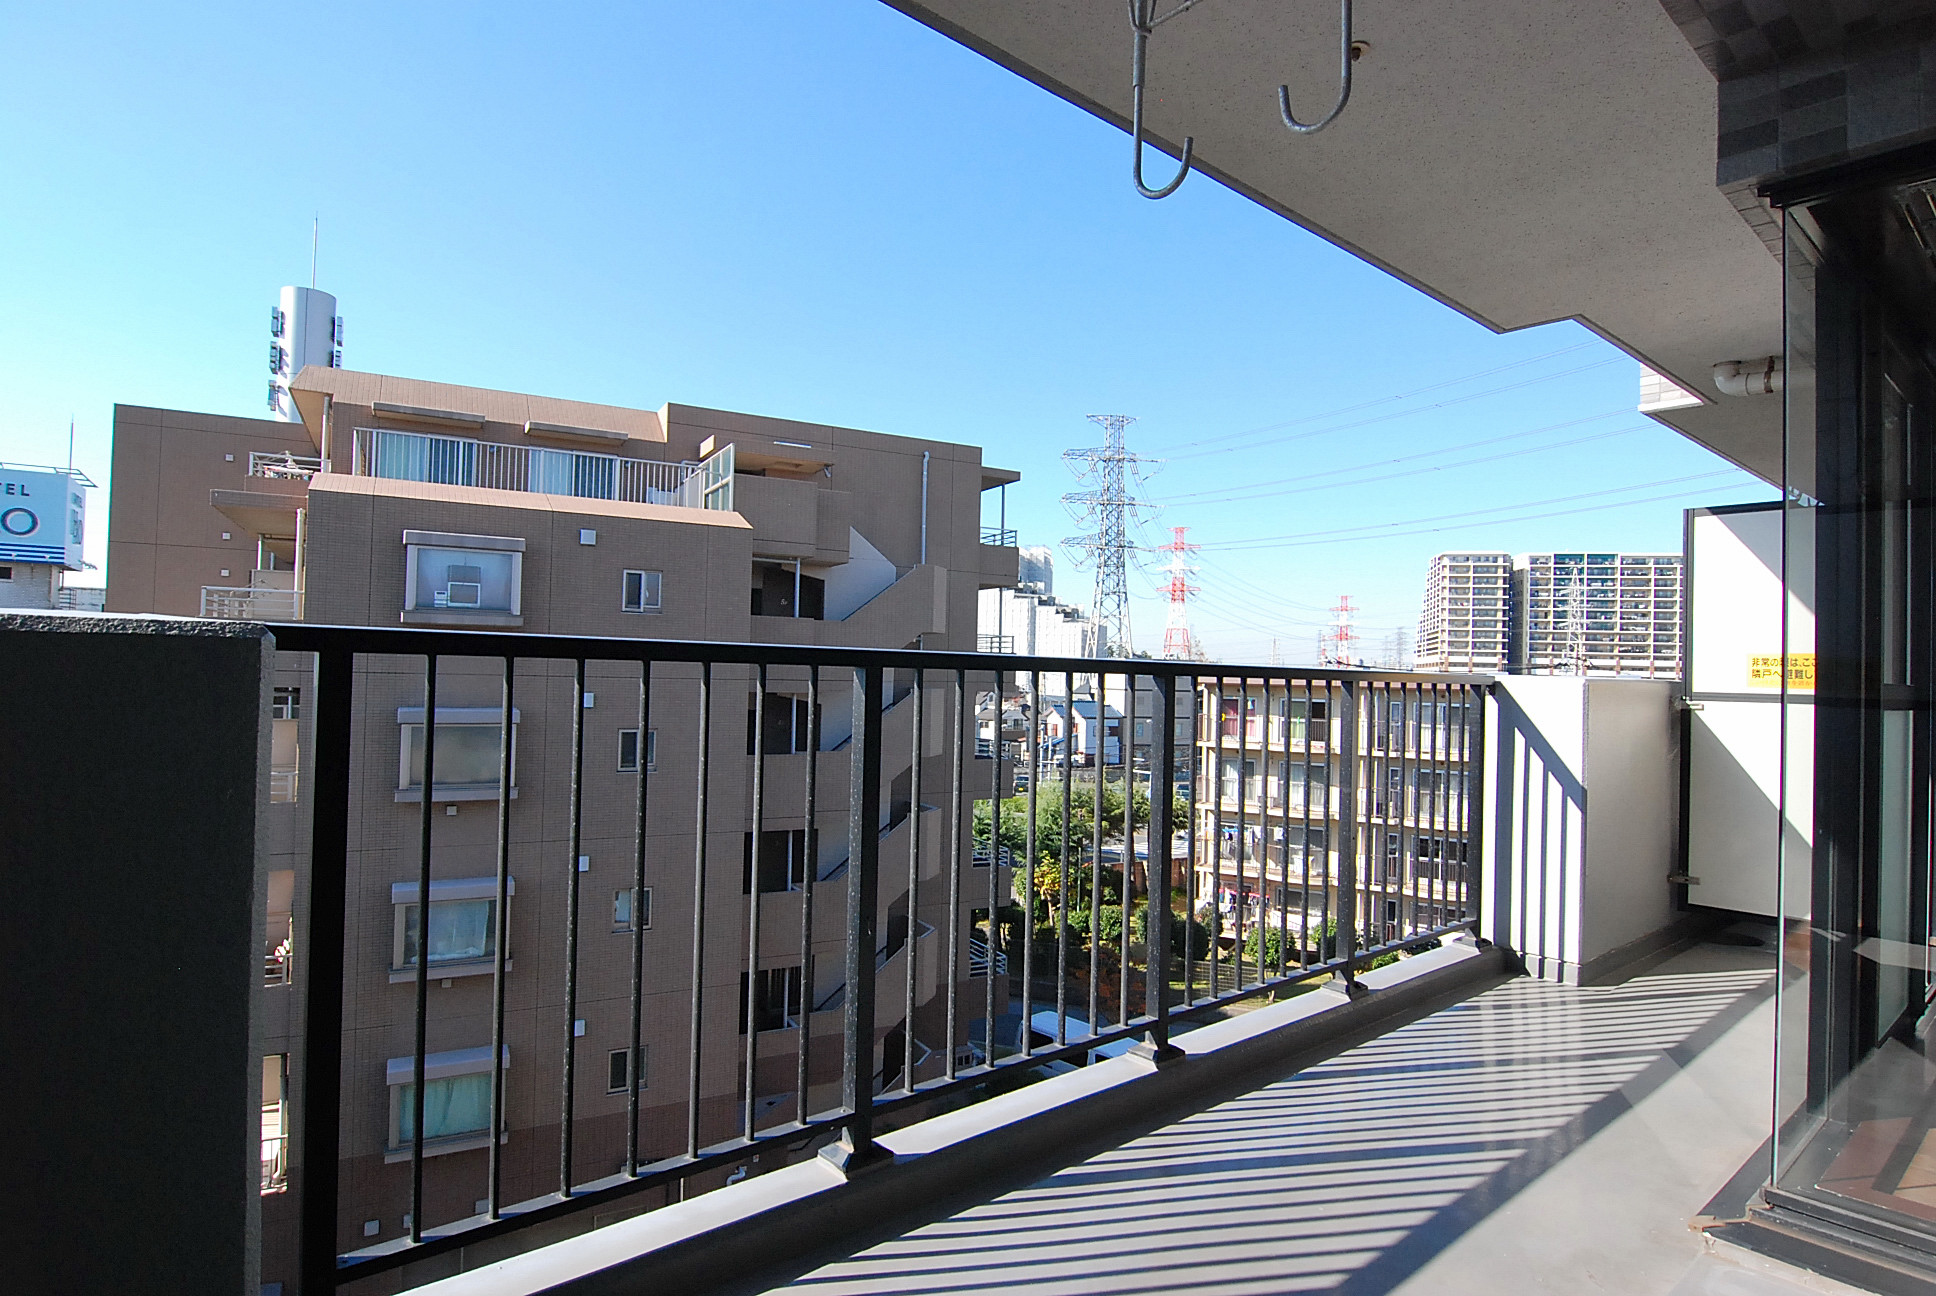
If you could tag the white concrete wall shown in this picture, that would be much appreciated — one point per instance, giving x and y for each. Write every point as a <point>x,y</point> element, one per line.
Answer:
<point>1580,800</point>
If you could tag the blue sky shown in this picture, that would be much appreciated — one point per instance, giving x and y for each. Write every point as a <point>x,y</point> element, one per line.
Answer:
<point>821,211</point>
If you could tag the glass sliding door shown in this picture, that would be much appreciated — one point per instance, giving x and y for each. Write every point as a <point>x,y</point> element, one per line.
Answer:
<point>1855,1142</point>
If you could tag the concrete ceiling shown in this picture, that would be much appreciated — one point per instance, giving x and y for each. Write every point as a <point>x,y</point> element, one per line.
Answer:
<point>1521,161</point>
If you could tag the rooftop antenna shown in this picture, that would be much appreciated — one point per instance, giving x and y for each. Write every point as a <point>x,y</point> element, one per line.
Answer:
<point>70,445</point>
<point>315,237</point>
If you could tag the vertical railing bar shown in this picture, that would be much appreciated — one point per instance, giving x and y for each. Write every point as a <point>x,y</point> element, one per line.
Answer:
<point>700,820</point>
<point>1024,1043</point>
<point>1062,876</point>
<point>1216,843</point>
<point>994,873</point>
<point>1243,834</point>
<point>422,1004</point>
<point>1283,828</point>
<point>955,799</point>
<point>1156,924</point>
<point>633,1059</point>
<point>1348,836</point>
<point>1307,940</point>
<point>1189,841</point>
<point>1406,768</point>
<point>1424,761</point>
<point>322,1071</point>
<point>568,1116</point>
<point>1472,826</point>
<point>1101,767</point>
<point>755,884</point>
<point>810,875</point>
<point>1126,757</point>
<point>914,872</point>
<point>863,894</point>
<point>1442,882</point>
<point>1439,817</point>
<point>507,737</point>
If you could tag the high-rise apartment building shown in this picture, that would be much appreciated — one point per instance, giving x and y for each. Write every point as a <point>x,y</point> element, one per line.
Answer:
<point>395,502</point>
<point>1597,613</point>
<point>1467,622</point>
<point>1553,613</point>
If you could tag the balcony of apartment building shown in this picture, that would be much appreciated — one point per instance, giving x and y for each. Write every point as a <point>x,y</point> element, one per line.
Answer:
<point>1404,845</point>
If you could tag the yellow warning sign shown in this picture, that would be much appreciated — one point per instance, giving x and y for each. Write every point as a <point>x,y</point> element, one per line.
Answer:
<point>1764,671</point>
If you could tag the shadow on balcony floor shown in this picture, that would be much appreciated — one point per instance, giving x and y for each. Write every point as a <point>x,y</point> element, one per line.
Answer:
<point>1533,1139</point>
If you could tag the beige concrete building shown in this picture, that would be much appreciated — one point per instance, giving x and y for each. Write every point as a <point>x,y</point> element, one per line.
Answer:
<point>1467,621</point>
<point>398,502</point>
<point>1272,814</point>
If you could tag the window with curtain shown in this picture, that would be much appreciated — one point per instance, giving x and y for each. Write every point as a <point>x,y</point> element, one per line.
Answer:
<point>460,930</point>
<point>413,456</point>
<point>466,754</point>
<point>452,1106</point>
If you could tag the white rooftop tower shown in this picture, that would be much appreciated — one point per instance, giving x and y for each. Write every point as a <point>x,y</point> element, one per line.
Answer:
<point>304,329</point>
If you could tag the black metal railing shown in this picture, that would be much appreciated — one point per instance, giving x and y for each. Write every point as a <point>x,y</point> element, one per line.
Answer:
<point>1116,900</point>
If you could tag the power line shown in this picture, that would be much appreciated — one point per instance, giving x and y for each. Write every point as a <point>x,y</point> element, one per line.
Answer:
<point>1382,400</point>
<point>1421,454</point>
<point>1321,537</point>
<point>1373,528</point>
<point>1417,472</point>
<point>1386,418</point>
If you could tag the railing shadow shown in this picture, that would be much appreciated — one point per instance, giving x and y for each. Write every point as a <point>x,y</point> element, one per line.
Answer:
<point>1347,1177</point>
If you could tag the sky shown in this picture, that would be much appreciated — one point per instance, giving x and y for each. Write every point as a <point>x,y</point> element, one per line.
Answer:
<point>817,211</point>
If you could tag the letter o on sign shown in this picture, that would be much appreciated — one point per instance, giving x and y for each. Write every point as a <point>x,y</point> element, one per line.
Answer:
<point>19,521</point>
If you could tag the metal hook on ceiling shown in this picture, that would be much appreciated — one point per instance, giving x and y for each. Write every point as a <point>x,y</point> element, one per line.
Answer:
<point>1142,21</point>
<point>1344,76</point>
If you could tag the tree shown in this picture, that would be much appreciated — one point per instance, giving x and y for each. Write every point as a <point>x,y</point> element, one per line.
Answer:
<point>1181,930</point>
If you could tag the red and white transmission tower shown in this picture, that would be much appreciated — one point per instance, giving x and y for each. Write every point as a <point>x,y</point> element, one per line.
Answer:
<point>1341,639</point>
<point>1177,643</point>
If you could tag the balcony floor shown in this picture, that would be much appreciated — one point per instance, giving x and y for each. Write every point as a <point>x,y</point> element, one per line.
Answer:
<point>1535,1138</point>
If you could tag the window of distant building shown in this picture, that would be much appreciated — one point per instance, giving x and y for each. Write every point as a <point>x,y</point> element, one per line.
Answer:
<point>624,911</point>
<point>463,927</point>
<point>640,592</point>
<point>618,1073</point>
<point>454,579</point>
<point>628,750</point>
<point>468,759</point>
<point>457,1102</point>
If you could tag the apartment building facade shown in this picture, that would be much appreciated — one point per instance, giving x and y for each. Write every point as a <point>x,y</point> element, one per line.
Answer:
<point>1553,614</point>
<point>1280,797</point>
<point>398,502</point>
<point>1597,613</point>
<point>1467,621</point>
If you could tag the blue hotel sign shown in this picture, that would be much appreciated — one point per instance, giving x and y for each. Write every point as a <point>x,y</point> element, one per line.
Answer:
<point>42,517</point>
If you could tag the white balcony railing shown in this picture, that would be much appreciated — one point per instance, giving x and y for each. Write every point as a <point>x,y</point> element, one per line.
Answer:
<point>283,467</point>
<point>244,603</point>
<point>275,1165</point>
<point>462,461</point>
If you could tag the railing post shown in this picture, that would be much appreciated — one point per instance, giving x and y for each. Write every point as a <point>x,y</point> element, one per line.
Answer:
<point>1347,949</point>
<point>855,1149</point>
<point>322,1078</point>
<point>1156,924</point>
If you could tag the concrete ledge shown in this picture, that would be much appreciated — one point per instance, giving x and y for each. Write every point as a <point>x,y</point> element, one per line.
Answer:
<point>767,1230</point>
